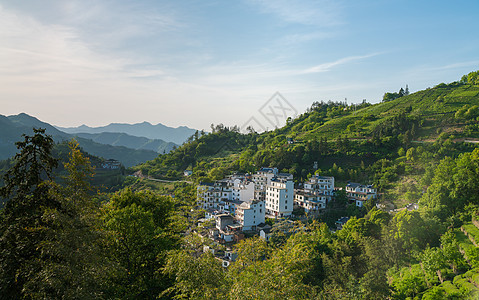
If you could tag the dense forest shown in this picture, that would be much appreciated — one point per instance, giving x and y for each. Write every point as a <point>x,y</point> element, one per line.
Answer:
<point>65,238</point>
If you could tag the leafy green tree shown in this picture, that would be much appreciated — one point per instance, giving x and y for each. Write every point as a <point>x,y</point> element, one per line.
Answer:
<point>390,96</point>
<point>411,154</point>
<point>139,237</point>
<point>22,227</point>
<point>197,276</point>
<point>408,282</point>
<point>72,263</point>
<point>407,229</point>
<point>433,261</point>
<point>473,78</point>
<point>288,272</point>
<point>373,283</point>
<point>451,253</point>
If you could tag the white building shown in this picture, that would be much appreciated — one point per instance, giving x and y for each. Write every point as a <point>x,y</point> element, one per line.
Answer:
<point>359,193</point>
<point>243,190</point>
<point>280,196</point>
<point>261,180</point>
<point>250,214</point>
<point>321,185</point>
<point>315,194</point>
<point>312,203</point>
<point>211,195</point>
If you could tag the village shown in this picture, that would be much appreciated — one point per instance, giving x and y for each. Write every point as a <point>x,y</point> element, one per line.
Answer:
<point>247,205</point>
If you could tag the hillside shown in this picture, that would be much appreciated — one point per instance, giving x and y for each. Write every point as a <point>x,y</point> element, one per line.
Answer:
<point>152,241</point>
<point>12,128</point>
<point>435,107</point>
<point>345,141</point>
<point>159,131</point>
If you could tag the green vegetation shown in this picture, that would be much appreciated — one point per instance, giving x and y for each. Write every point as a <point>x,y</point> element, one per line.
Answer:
<point>65,239</point>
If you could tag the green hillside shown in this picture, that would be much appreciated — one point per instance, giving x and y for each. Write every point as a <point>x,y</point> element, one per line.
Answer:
<point>435,107</point>
<point>345,141</point>
<point>145,239</point>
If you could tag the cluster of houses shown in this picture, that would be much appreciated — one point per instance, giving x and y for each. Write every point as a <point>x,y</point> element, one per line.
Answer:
<point>240,203</point>
<point>111,164</point>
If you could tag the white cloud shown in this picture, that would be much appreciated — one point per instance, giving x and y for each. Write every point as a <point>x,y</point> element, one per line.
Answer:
<point>325,67</point>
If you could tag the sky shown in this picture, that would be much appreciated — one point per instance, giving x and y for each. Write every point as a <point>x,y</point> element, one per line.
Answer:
<point>200,62</point>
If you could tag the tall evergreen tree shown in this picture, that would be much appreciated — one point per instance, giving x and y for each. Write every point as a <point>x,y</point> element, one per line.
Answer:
<point>22,228</point>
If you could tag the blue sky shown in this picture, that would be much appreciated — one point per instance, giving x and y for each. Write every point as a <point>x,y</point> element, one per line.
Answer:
<point>195,62</point>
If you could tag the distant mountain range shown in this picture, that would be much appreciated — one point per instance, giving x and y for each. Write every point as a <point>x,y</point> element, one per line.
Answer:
<point>129,141</point>
<point>129,150</point>
<point>159,131</point>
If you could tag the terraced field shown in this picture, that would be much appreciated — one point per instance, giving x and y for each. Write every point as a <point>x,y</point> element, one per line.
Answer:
<point>445,283</point>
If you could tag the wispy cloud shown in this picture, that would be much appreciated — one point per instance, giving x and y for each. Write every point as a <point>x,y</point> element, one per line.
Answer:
<point>323,13</point>
<point>325,67</point>
<point>474,63</point>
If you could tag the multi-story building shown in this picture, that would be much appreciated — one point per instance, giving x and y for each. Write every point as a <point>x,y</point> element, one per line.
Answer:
<point>250,214</point>
<point>359,193</point>
<point>211,195</point>
<point>312,203</point>
<point>323,185</point>
<point>279,196</point>
<point>315,194</point>
<point>227,195</point>
<point>243,190</point>
<point>261,180</point>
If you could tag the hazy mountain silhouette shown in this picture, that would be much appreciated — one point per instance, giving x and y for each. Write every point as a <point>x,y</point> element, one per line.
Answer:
<point>159,131</point>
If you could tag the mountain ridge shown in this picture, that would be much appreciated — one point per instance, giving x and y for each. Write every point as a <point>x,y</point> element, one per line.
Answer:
<point>145,129</point>
<point>12,127</point>
<point>129,141</point>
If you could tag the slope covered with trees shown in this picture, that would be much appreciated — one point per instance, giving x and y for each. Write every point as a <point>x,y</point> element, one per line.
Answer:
<point>66,240</point>
<point>357,142</point>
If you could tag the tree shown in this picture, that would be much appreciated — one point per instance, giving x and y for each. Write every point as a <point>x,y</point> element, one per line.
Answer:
<point>22,227</point>
<point>451,253</point>
<point>433,261</point>
<point>71,262</point>
<point>408,282</point>
<point>199,277</point>
<point>407,232</point>
<point>410,154</point>
<point>473,78</point>
<point>390,96</point>
<point>139,236</point>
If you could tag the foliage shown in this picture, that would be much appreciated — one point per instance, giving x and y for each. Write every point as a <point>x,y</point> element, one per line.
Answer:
<point>137,224</point>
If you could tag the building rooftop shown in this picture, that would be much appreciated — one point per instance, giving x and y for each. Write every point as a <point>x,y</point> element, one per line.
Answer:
<point>224,216</point>
<point>342,220</point>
